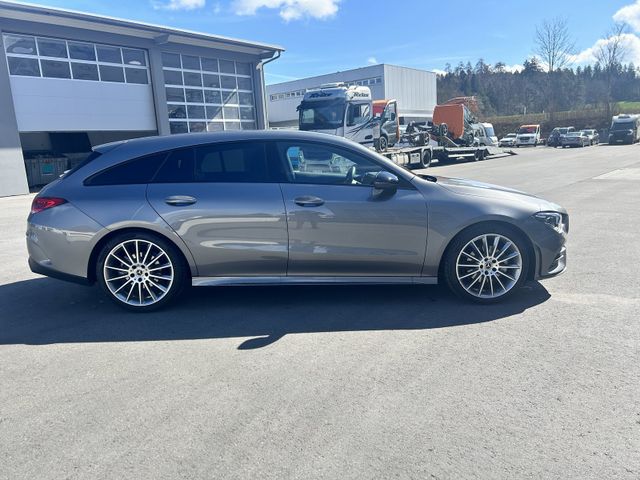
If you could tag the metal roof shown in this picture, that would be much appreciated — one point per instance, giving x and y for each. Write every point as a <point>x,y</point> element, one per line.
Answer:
<point>159,33</point>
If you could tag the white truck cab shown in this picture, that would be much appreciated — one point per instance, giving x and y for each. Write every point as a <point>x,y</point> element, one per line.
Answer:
<point>340,110</point>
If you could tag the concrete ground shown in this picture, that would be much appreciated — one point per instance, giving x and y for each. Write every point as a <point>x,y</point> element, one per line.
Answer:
<point>342,382</point>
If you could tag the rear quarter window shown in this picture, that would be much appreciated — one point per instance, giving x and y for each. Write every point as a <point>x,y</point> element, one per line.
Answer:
<point>137,171</point>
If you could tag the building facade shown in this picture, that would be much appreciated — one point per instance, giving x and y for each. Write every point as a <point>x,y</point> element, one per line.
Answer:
<point>70,81</point>
<point>415,91</point>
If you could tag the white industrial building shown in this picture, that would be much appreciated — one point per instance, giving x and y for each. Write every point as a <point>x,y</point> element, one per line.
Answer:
<point>415,91</point>
<point>70,80</point>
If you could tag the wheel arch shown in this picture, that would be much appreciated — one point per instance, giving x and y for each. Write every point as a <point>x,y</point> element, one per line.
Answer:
<point>531,250</point>
<point>95,252</point>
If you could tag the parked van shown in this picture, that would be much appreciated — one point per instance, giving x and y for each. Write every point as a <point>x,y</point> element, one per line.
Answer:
<point>489,135</point>
<point>624,129</point>
<point>528,135</point>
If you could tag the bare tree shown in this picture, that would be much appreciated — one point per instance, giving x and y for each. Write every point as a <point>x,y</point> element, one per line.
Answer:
<point>554,44</point>
<point>610,54</point>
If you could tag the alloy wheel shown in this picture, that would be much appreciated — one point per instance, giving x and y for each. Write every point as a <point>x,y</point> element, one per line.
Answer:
<point>138,272</point>
<point>489,266</point>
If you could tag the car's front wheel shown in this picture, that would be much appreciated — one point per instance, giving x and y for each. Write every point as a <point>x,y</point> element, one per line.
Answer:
<point>486,264</point>
<point>140,271</point>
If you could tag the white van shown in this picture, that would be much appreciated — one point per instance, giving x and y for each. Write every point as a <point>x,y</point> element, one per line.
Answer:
<point>528,135</point>
<point>489,139</point>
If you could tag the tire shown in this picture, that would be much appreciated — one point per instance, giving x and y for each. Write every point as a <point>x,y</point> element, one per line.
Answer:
<point>383,143</point>
<point>493,277</point>
<point>141,272</point>
<point>425,159</point>
<point>477,155</point>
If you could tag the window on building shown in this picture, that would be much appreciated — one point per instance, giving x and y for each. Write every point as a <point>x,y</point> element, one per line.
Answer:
<point>85,71</point>
<point>69,59</point>
<point>52,48</point>
<point>109,73</point>
<point>206,92</point>
<point>54,69</point>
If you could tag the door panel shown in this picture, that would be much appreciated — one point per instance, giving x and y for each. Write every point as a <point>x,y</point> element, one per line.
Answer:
<point>224,200</point>
<point>232,229</point>
<point>352,231</point>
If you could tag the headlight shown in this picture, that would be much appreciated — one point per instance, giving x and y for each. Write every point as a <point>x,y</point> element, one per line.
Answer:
<point>553,219</point>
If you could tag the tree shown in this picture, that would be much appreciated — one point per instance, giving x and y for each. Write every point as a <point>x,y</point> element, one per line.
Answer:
<point>610,53</point>
<point>554,44</point>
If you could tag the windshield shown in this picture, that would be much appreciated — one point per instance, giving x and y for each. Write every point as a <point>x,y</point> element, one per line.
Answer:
<point>574,134</point>
<point>526,130</point>
<point>489,131</point>
<point>324,115</point>
<point>617,126</point>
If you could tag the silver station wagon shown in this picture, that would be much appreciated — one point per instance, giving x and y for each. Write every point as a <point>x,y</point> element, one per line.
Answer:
<point>144,218</point>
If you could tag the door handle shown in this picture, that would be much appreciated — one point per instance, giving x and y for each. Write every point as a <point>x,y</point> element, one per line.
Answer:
<point>180,200</point>
<point>309,201</point>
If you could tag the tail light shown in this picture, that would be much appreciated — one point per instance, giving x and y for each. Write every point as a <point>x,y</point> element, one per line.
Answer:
<point>43,203</point>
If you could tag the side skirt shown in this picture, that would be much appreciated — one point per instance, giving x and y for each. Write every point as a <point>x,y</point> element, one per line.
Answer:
<point>299,280</point>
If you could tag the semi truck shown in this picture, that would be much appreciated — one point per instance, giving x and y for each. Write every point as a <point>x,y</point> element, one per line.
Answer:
<point>350,112</point>
<point>624,129</point>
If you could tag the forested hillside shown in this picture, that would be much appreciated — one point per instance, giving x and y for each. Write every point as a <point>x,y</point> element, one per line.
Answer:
<point>533,90</point>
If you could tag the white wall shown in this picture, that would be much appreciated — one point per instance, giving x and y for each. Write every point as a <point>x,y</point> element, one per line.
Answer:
<point>51,105</point>
<point>415,90</point>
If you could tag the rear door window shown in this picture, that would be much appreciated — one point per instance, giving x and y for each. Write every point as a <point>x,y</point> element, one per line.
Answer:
<point>239,162</point>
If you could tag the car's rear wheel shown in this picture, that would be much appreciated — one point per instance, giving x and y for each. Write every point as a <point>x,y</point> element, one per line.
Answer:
<point>486,264</point>
<point>141,272</point>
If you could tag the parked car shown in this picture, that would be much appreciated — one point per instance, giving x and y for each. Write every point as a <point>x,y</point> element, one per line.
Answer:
<point>145,217</point>
<point>555,137</point>
<point>508,140</point>
<point>593,136</point>
<point>528,135</point>
<point>575,139</point>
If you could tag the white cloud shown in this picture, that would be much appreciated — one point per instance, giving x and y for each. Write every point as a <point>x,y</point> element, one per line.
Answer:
<point>630,41</point>
<point>438,71</point>
<point>629,15</point>
<point>514,68</point>
<point>179,4</point>
<point>289,9</point>
<point>372,61</point>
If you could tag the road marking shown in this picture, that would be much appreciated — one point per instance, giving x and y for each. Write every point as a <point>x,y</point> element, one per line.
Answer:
<point>620,174</point>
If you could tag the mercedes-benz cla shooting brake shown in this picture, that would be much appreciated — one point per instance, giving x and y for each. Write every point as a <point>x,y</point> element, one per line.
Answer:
<point>146,217</point>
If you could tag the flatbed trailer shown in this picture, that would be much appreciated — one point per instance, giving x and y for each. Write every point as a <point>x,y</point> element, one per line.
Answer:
<point>423,156</point>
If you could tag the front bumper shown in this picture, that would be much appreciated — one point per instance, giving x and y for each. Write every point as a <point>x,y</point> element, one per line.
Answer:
<point>549,247</point>
<point>620,139</point>
<point>558,266</point>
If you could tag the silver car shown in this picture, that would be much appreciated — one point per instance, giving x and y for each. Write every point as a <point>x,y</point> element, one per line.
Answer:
<point>145,218</point>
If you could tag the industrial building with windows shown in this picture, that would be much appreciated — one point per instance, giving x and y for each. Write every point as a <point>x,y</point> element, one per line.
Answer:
<point>70,81</point>
<point>415,91</point>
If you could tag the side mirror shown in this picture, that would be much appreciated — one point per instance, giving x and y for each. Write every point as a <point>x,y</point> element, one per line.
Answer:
<point>386,181</point>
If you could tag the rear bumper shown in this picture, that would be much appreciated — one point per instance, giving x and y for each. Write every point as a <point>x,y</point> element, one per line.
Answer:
<point>48,271</point>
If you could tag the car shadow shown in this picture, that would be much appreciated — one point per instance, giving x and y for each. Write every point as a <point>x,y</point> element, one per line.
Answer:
<point>45,311</point>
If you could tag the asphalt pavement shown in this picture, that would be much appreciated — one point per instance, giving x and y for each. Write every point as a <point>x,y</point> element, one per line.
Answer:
<point>342,382</point>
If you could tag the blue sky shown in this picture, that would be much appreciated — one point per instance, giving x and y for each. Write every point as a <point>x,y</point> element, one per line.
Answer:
<point>322,36</point>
